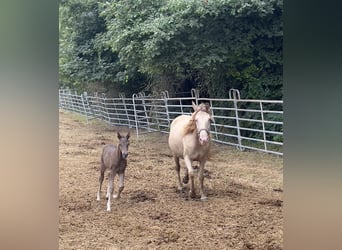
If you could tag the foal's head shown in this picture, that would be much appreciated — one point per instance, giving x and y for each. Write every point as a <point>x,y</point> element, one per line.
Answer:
<point>202,119</point>
<point>123,143</point>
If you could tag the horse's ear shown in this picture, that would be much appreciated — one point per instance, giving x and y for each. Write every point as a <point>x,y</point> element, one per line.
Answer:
<point>119,135</point>
<point>128,135</point>
<point>194,106</point>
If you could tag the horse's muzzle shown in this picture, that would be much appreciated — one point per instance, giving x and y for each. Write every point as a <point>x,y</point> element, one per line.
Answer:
<point>124,155</point>
<point>203,141</point>
<point>203,135</point>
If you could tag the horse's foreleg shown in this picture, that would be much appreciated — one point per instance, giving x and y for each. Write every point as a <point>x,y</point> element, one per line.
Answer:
<point>201,179</point>
<point>121,185</point>
<point>180,185</point>
<point>191,172</point>
<point>186,177</point>
<point>110,188</point>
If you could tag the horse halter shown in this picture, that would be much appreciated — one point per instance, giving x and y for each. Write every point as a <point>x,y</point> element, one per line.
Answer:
<point>206,130</point>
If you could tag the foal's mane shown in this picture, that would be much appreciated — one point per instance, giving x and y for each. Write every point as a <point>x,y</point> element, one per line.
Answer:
<point>191,125</point>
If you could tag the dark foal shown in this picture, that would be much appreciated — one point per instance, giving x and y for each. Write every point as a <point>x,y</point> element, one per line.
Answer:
<point>114,158</point>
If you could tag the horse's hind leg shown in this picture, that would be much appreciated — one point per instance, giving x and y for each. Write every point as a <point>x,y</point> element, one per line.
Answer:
<point>180,185</point>
<point>101,177</point>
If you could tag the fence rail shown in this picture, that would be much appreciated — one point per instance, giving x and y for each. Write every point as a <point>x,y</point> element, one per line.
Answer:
<point>246,124</point>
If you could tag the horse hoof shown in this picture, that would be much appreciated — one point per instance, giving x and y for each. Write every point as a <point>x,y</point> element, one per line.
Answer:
<point>204,198</point>
<point>192,195</point>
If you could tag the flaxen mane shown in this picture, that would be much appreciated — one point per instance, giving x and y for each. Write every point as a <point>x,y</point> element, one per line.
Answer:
<point>191,126</point>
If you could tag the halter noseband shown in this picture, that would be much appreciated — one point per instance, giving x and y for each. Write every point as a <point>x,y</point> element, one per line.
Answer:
<point>206,130</point>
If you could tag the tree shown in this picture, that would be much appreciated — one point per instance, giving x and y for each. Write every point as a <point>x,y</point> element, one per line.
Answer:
<point>84,57</point>
<point>212,45</point>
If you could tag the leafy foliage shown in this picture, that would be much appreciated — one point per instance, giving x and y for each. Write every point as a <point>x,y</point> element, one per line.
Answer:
<point>213,45</point>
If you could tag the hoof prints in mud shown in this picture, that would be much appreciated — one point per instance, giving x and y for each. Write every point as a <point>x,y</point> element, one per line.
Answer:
<point>162,217</point>
<point>140,196</point>
<point>80,207</point>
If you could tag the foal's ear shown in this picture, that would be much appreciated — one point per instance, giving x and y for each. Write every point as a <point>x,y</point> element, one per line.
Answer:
<point>119,135</point>
<point>128,135</point>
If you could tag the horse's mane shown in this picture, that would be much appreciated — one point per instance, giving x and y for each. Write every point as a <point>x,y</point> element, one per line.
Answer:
<point>191,125</point>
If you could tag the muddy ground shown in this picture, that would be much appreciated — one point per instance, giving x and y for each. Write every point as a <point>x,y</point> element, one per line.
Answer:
<point>243,211</point>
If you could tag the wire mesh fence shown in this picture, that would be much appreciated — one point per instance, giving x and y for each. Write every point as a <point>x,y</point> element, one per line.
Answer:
<point>246,124</point>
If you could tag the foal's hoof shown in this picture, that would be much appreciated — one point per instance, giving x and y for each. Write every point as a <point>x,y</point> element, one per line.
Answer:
<point>192,195</point>
<point>204,198</point>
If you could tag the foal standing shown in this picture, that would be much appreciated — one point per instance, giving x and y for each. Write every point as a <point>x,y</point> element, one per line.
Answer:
<point>115,159</point>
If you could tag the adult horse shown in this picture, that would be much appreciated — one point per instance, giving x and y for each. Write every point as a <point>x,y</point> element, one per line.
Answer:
<point>189,139</point>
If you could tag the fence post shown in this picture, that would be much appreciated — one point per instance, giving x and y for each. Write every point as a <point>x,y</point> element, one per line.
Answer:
<point>142,96</point>
<point>71,107</point>
<point>263,125</point>
<point>212,112</point>
<point>122,96</point>
<point>165,95</point>
<point>84,108</point>
<point>135,114</point>
<point>116,114</point>
<point>195,94</point>
<point>97,105</point>
<point>235,95</point>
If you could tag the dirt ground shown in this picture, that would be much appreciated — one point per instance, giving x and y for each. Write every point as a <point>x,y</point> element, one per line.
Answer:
<point>243,210</point>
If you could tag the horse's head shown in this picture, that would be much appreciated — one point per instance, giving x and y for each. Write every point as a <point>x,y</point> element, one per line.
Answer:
<point>123,144</point>
<point>202,119</point>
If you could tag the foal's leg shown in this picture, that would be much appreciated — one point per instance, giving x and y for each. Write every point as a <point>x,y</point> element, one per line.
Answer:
<point>110,188</point>
<point>201,178</point>
<point>180,185</point>
<point>192,173</point>
<point>121,185</point>
<point>101,177</point>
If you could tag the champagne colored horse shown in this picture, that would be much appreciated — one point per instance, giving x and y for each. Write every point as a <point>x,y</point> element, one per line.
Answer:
<point>189,139</point>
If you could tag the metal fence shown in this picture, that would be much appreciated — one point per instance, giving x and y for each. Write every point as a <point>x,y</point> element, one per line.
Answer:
<point>246,124</point>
